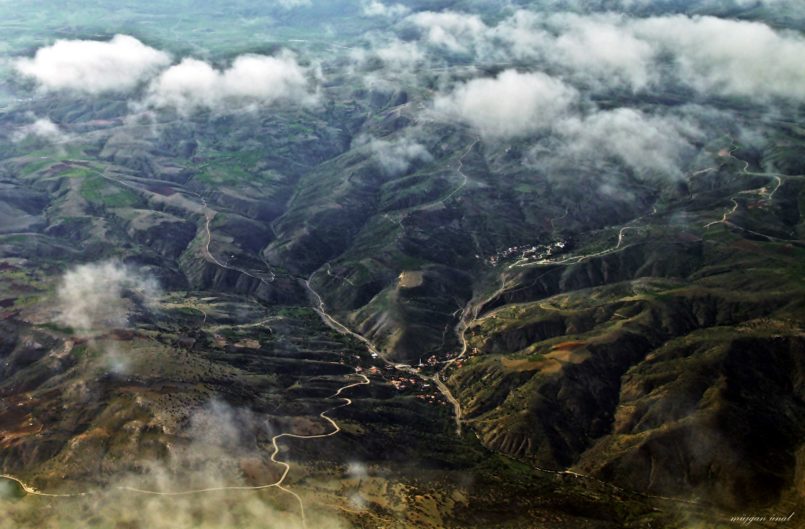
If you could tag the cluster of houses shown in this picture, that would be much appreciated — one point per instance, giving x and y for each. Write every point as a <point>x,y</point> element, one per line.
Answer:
<point>528,252</point>
<point>402,383</point>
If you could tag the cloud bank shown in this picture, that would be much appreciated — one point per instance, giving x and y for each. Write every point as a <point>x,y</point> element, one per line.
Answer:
<point>606,51</point>
<point>92,66</point>
<point>568,130</point>
<point>730,57</point>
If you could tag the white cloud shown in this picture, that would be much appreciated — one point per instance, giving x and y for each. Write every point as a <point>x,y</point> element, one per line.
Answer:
<point>646,144</point>
<point>512,104</point>
<point>587,48</point>
<point>293,4</point>
<point>91,296</point>
<point>714,56</point>
<point>189,84</point>
<point>387,65</point>
<point>357,470</point>
<point>252,79</point>
<point>453,31</point>
<point>93,66</point>
<point>599,48</point>
<point>730,57</point>
<point>396,156</point>
<point>399,54</point>
<point>521,36</point>
<point>396,55</point>
<point>42,128</point>
<point>374,8</point>
<point>704,5</point>
<point>593,48</point>
<point>609,51</point>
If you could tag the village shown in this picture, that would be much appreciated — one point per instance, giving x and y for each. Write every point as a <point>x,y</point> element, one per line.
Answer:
<point>528,253</point>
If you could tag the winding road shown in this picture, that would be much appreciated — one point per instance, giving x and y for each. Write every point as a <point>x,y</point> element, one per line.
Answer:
<point>464,322</point>
<point>209,214</point>
<point>461,328</point>
<point>725,217</point>
<point>33,491</point>
<point>339,327</point>
<point>464,181</point>
<point>778,177</point>
<point>275,440</point>
<point>279,484</point>
<point>579,258</point>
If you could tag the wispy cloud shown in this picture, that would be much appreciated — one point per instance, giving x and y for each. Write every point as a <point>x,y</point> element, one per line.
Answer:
<point>98,296</point>
<point>395,156</point>
<point>217,445</point>
<point>43,129</point>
